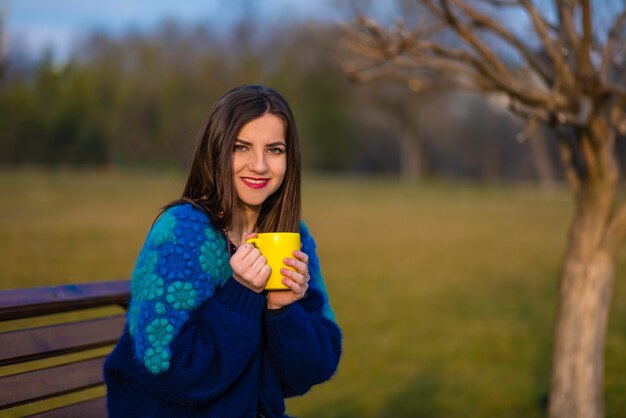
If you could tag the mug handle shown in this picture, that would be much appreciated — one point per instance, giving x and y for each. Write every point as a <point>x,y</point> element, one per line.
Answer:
<point>253,241</point>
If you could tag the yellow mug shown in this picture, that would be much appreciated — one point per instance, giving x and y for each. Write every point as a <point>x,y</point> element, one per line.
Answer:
<point>276,246</point>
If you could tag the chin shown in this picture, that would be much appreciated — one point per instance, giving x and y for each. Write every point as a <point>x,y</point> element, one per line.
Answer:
<point>254,204</point>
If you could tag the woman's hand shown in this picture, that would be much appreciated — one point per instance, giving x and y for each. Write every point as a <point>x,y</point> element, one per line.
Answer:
<point>297,282</point>
<point>249,266</point>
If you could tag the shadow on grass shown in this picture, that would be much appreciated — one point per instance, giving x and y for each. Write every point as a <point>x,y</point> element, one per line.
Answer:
<point>340,409</point>
<point>417,400</point>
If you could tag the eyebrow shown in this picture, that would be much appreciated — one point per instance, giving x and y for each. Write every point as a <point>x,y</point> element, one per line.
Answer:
<point>273,144</point>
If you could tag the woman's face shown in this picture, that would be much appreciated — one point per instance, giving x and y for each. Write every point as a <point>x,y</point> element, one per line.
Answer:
<point>259,159</point>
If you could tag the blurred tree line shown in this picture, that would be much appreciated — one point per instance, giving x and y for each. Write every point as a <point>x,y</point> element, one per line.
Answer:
<point>139,99</point>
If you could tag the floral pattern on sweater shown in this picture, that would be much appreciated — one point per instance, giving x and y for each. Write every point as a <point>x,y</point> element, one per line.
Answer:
<point>183,262</point>
<point>179,267</point>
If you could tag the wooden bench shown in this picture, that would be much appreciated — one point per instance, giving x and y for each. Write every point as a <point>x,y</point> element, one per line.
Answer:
<point>94,325</point>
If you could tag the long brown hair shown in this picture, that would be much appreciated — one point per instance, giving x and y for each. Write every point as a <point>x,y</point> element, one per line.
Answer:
<point>210,184</point>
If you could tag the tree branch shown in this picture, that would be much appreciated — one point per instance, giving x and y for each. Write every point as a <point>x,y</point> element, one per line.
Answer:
<point>585,67</point>
<point>493,68</point>
<point>518,87</point>
<point>609,49</point>
<point>569,38</point>
<point>463,58</point>
<point>569,164</point>
<point>368,73</point>
<point>370,41</point>
<point>529,112</point>
<point>528,131</point>
<point>434,10</point>
<point>564,74</point>
<point>481,20</point>
<point>472,39</point>
<point>502,3</point>
<point>434,63</point>
<point>554,94</point>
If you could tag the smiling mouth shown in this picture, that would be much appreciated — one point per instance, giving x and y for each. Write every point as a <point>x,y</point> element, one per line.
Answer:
<point>255,183</point>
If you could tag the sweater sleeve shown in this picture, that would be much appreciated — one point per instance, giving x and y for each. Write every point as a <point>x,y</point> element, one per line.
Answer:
<point>192,328</point>
<point>212,350</point>
<point>304,340</point>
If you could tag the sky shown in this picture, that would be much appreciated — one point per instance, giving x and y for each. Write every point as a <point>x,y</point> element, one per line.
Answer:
<point>37,24</point>
<point>57,24</point>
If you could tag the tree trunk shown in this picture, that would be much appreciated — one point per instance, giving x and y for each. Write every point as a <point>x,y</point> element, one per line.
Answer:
<point>586,284</point>
<point>578,365</point>
<point>541,157</point>
<point>490,158</point>
<point>411,152</point>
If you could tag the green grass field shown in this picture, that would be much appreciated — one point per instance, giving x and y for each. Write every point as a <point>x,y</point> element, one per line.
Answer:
<point>445,293</point>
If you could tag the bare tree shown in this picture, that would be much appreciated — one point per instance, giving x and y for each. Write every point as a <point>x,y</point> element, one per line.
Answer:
<point>393,106</point>
<point>564,72</point>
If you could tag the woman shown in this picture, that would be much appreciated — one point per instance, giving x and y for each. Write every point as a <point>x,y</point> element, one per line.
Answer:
<point>203,339</point>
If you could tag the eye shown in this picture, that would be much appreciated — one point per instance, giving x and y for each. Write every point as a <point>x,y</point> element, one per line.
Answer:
<point>276,150</point>
<point>240,147</point>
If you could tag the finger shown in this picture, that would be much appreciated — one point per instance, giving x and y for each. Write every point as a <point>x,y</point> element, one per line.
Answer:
<point>243,251</point>
<point>296,276</point>
<point>292,285</point>
<point>258,264</point>
<point>247,235</point>
<point>252,255</point>
<point>259,276</point>
<point>265,272</point>
<point>301,256</point>
<point>298,265</point>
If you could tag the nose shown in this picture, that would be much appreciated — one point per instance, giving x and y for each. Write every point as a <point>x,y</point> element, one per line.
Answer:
<point>258,163</point>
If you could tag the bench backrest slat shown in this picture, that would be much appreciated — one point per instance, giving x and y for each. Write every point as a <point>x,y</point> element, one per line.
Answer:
<point>54,381</point>
<point>88,409</point>
<point>36,343</point>
<point>24,303</point>
<point>52,338</point>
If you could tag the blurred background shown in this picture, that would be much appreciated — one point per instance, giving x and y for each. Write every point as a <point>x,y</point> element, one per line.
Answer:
<point>440,227</point>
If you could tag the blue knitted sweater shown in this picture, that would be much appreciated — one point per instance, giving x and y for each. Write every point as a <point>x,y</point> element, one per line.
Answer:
<point>199,344</point>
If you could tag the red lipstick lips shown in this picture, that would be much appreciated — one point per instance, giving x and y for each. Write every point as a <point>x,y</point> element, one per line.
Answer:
<point>255,183</point>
